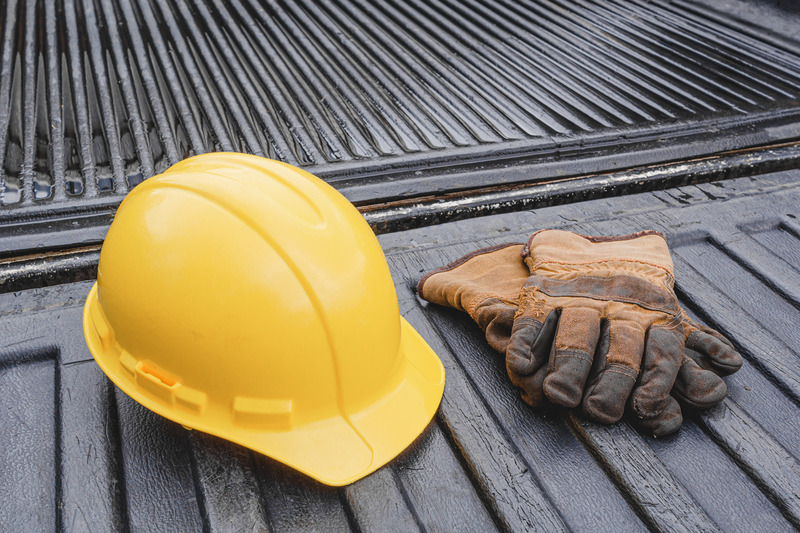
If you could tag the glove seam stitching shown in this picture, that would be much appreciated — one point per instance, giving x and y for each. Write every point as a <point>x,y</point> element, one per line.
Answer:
<point>539,262</point>
<point>621,369</point>
<point>615,371</point>
<point>582,357</point>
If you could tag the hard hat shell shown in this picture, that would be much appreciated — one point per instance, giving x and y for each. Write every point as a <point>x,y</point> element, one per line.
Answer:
<point>248,299</point>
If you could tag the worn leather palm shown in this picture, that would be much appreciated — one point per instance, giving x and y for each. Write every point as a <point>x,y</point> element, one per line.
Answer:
<point>488,285</point>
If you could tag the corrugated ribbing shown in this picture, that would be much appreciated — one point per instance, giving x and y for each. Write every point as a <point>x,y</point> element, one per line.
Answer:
<point>97,95</point>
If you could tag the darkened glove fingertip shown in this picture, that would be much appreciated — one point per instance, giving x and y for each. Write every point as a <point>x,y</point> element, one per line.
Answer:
<point>667,422</point>
<point>714,354</point>
<point>712,395</point>
<point>531,390</point>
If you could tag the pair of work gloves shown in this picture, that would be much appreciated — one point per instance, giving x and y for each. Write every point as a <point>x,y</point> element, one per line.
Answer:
<point>590,321</point>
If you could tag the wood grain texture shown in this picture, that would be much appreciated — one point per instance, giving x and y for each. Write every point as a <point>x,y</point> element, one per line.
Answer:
<point>160,489</point>
<point>563,467</point>
<point>437,486</point>
<point>379,503</point>
<point>27,451</point>
<point>665,504</point>
<point>90,451</point>
<point>295,502</point>
<point>227,484</point>
<point>772,467</point>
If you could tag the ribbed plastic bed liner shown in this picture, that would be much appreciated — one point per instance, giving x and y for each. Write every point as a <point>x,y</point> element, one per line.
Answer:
<point>98,95</point>
<point>76,454</point>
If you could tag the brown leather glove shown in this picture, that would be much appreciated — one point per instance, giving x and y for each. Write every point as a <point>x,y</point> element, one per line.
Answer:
<point>487,284</point>
<point>598,317</point>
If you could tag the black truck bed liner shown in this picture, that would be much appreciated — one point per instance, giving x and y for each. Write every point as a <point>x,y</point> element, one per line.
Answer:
<point>77,454</point>
<point>385,100</point>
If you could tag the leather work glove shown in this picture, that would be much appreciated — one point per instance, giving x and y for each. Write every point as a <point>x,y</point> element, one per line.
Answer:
<point>598,316</point>
<point>487,284</point>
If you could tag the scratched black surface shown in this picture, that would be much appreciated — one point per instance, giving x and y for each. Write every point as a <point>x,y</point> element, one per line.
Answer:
<point>385,100</point>
<point>78,455</point>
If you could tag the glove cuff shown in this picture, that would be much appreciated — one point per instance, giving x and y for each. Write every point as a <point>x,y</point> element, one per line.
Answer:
<point>563,255</point>
<point>493,272</point>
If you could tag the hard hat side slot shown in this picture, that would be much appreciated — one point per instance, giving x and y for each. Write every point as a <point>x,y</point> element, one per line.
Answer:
<point>156,381</point>
<point>149,368</point>
<point>264,413</point>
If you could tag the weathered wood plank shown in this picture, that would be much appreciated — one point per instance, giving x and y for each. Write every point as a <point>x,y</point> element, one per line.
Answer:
<point>90,460</point>
<point>700,465</point>
<point>438,488</point>
<point>227,484</point>
<point>664,503</point>
<point>771,466</point>
<point>768,352</point>
<point>761,262</point>
<point>379,504</point>
<point>295,502</point>
<point>28,448</point>
<point>576,486</point>
<point>159,483</point>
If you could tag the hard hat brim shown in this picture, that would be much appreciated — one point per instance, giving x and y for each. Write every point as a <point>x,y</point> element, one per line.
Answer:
<point>336,450</point>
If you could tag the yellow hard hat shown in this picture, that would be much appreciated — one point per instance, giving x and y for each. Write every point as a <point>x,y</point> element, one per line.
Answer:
<point>248,299</point>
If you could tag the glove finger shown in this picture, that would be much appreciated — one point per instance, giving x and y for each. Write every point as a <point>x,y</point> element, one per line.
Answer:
<point>572,355</point>
<point>496,318</point>
<point>714,354</point>
<point>690,325</point>
<point>527,353</point>
<point>714,333</point>
<point>663,354</point>
<point>608,393</point>
<point>696,386</point>
<point>531,387</point>
<point>668,420</point>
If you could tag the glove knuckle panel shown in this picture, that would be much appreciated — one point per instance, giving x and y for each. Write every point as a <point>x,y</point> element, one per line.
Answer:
<point>578,329</point>
<point>626,344</point>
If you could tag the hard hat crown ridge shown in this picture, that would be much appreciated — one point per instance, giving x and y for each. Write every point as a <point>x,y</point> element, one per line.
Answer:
<point>246,298</point>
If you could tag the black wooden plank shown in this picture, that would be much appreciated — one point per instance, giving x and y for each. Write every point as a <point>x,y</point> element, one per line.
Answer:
<point>662,500</point>
<point>227,484</point>
<point>773,468</point>
<point>769,351</point>
<point>92,493</point>
<point>768,267</point>
<point>156,462</point>
<point>442,494</point>
<point>379,503</point>
<point>584,496</point>
<point>700,465</point>
<point>28,446</point>
<point>506,481</point>
<point>295,502</point>
<point>39,323</point>
<point>781,240</point>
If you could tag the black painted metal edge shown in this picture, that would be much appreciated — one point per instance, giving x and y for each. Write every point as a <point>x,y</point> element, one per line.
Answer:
<point>545,159</point>
<point>405,215</point>
<point>36,267</point>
